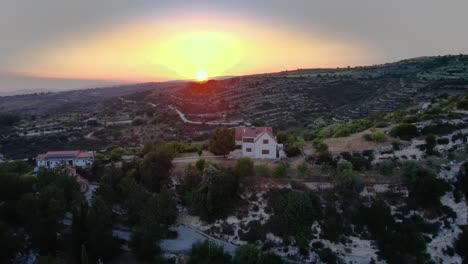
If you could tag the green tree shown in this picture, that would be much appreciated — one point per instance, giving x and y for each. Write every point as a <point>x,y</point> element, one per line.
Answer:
<point>269,258</point>
<point>246,254</point>
<point>192,177</point>
<point>462,179</point>
<point>217,194</point>
<point>208,253</point>
<point>84,255</point>
<point>101,242</point>
<point>298,209</point>
<point>431,143</point>
<point>386,168</point>
<point>262,170</point>
<point>133,197</point>
<point>303,169</point>
<point>222,141</point>
<point>326,168</point>
<point>167,208</point>
<point>281,169</point>
<point>41,214</point>
<point>145,237</point>
<point>424,187</point>
<point>244,167</point>
<point>345,176</point>
<point>461,245</point>
<point>156,166</point>
<point>200,164</point>
<point>10,242</point>
<point>404,131</point>
<point>79,235</point>
<point>321,148</point>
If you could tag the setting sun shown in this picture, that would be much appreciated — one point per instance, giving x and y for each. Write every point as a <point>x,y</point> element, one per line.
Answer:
<point>201,75</point>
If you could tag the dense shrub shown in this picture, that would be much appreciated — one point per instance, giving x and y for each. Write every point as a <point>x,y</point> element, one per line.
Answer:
<point>442,128</point>
<point>350,127</point>
<point>431,143</point>
<point>425,188</point>
<point>386,167</point>
<point>244,167</point>
<point>208,253</point>
<point>216,196</point>
<point>443,141</point>
<point>404,131</point>
<point>398,242</point>
<point>296,208</point>
<point>222,141</point>
<point>377,136</point>
<point>461,245</point>
<point>7,120</point>
<point>303,169</point>
<point>463,104</point>
<point>281,169</point>
<point>262,170</point>
<point>462,179</point>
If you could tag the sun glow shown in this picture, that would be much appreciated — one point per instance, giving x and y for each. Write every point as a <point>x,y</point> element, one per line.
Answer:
<point>201,75</point>
<point>173,48</point>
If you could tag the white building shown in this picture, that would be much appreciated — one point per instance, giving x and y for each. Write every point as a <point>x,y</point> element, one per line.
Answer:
<point>257,142</point>
<point>74,158</point>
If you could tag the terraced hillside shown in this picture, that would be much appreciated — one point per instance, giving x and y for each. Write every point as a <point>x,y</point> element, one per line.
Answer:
<point>289,99</point>
<point>307,97</point>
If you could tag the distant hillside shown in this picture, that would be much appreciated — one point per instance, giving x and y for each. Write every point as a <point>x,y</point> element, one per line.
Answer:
<point>307,97</point>
<point>300,98</point>
<point>70,101</point>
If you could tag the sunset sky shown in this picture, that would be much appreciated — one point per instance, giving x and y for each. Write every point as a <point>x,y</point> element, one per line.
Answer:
<point>56,44</point>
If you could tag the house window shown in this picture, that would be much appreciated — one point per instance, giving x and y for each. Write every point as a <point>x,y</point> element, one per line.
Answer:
<point>248,150</point>
<point>265,151</point>
<point>265,141</point>
<point>249,140</point>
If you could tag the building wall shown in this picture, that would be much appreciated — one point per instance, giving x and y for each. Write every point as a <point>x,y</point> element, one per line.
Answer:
<point>53,163</point>
<point>245,146</point>
<point>270,147</point>
<point>258,147</point>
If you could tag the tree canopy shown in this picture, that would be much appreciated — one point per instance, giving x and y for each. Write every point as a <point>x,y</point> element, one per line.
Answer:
<point>222,141</point>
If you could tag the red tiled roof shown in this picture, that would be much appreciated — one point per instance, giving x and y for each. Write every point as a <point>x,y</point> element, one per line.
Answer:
<point>63,154</point>
<point>252,132</point>
<point>83,154</point>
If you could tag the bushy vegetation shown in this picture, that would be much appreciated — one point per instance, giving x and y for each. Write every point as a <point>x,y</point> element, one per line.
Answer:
<point>442,128</point>
<point>262,170</point>
<point>386,168</point>
<point>462,179</point>
<point>222,141</point>
<point>461,244</point>
<point>376,136</point>
<point>398,242</point>
<point>463,104</point>
<point>216,195</point>
<point>350,127</point>
<point>281,169</point>
<point>296,208</point>
<point>404,131</point>
<point>7,120</point>
<point>248,254</point>
<point>244,167</point>
<point>425,188</point>
<point>208,253</point>
<point>293,143</point>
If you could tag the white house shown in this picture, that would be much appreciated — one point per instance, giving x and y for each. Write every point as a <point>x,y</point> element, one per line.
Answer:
<point>257,142</point>
<point>73,158</point>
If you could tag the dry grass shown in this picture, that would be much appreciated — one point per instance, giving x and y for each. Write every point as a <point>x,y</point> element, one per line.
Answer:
<point>355,142</point>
